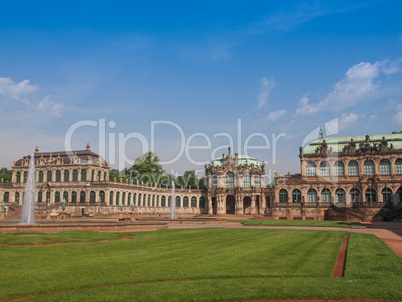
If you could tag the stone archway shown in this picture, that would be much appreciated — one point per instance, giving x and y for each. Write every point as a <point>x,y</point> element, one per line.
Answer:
<point>247,205</point>
<point>230,204</point>
<point>214,206</point>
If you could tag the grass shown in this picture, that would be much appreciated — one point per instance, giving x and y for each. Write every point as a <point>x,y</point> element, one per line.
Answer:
<point>201,265</point>
<point>313,223</point>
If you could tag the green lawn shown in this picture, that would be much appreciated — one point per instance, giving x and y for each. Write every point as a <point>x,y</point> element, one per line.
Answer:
<point>314,223</point>
<point>200,265</point>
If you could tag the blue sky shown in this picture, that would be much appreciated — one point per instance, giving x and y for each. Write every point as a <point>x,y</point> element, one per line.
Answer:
<point>279,66</point>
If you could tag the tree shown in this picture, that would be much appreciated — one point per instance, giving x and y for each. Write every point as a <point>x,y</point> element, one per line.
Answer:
<point>147,164</point>
<point>5,174</point>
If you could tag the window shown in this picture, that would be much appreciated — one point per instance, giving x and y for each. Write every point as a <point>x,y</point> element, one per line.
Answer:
<point>193,202</point>
<point>354,195</point>
<point>57,197</point>
<point>135,198</point>
<point>92,197</point>
<point>311,195</point>
<point>111,198</point>
<point>58,176</point>
<point>74,196</point>
<point>369,167</point>
<point>104,176</point>
<point>123,198</point>
<point>353,168</point>
<point>153,200</point>
<point>257,180</point>
<point>230,180</point>
<point>40,196</point>
<point>246,180</point>
<point>214,181</point>
<point>102,196</point>
<point>185,202</point>
<point>118,198</point>
<point>129,199</point>
<point>202,202</point>
<point>40,180</point>
<point>82,196</point>
<point>311,169</point>
<point>18,177</point>
<point>92,175</point>
<point>339,169</point>
<point>149,201</point>
<point>267,201</point>
<point>296,196</point>
<point>99,176</point>
<point>324,168</point>
<point>163,201</point>
<point>386,195</point>
<point>398,166</point>
<point>177,201</point>
<point>17,197</point>
<point>371,195</point>
<point>399,195</point>
<point>25,176</point>
<point>83,175</point>
<point>326,195</point>
<point>75,175</point>
<point>66,176</point>
<point>65,196</point>
<point>340,196</point>
<point>385,167</point>
<point>283,196</point>
<point>49,176</point>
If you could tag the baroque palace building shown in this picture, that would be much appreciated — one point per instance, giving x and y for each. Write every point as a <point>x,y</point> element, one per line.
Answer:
<point>342,178</point>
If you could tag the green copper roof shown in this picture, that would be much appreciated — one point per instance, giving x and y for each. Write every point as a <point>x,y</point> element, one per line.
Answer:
<point>339,143</point>
<point>241,160</point>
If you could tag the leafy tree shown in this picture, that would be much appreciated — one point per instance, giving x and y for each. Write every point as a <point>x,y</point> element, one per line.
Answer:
<point>113,173</point>
<point>5,174</point>
<point>148,163</point>
<point>202,183</point>
<point>167,180</point>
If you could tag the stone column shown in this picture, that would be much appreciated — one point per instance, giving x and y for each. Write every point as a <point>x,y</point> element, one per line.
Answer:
<point>347,196</point>
<point>253,209</point>
<point>209,201</point>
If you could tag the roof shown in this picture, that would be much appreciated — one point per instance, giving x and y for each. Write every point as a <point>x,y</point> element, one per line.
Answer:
<point>241,160</point>
<point>338,144</point>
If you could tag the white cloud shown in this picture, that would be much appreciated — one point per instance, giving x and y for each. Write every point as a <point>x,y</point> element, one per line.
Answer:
<point>49,107</point>
<point>398,117</point>
<point>348,120</point>
<point>266,87</point>
<point>273,116</point>
<point>357,85</point>
<point>16,91</point>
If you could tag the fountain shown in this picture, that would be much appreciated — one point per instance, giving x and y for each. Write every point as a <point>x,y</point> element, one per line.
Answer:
<point>173,214</point>
<point>28,204</point>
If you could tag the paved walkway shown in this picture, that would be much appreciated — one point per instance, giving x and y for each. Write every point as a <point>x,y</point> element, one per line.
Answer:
<point>389,232</point>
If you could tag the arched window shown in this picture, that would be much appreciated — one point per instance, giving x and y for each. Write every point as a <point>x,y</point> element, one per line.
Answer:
<point>123,198</point>
<point>57,197</point>
<point>246,180</point>
<point>371,195</point>
<point>385,167</point>
<point>339,169</point>
<point>257,180</point>
<point>311,195</point>
<point>74,196</point>
<point>177,201</point>
<point>163,201</point>
<point>386,195</point>
<point>185,202</point>
<point>93,175</point>
<point>82,196</point>
<point>25,176</point>
<point>354,195</point>
<point>129,199</point>
<point>102,196</point>
<point>92,196</point>
<point>111,197</point>
<point>66,176</point>
<point>83,175</point>
<point>283,196</point>
<point>17,197</point>
<point>267,202</point>
<point>214,181</point>
<point>40,196</point>
<point>118,198</point>
<point>40,178</point>
<point>369,167</point>
<point>58,176</point>
<point>149,200</point>
<point>193,202</point>
<point>353,168</point>
<point>65,196</point>
<point>311,169</point>
<point>75,175</point>
<point>340,196</point>
<point>99,176</point>
<point>104,176</point>
<point>202,202</point>
<point>140,200</point>
<point>18,177</point>
<point>230,180</point>
<point>135,199</point>
<point>399,195</point>
<point>49,176</point>
<point>326,195</point>
<point>398,166</point>
<point>296,196</point>
<point>324,168</point>
<point>153,200</point>
<point>144,200</point>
